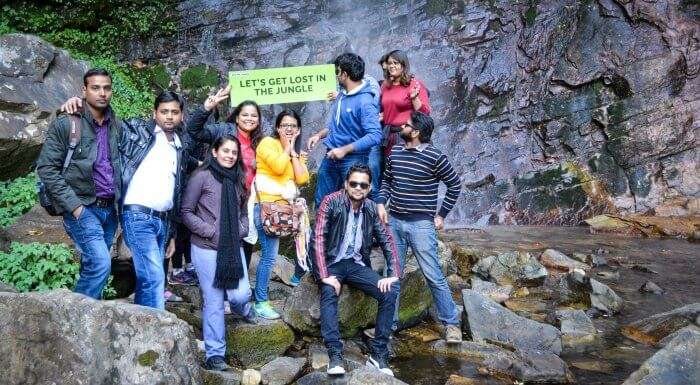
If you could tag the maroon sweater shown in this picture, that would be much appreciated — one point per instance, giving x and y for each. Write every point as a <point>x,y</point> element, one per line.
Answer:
<point>200,209</point>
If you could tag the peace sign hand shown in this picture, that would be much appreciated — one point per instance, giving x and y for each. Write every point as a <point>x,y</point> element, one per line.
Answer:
<point>214,100</point>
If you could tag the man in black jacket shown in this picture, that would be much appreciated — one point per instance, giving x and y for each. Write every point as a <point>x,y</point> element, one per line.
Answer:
<point>152,178</point>
<point>345,224</point>
<point>87,192</point>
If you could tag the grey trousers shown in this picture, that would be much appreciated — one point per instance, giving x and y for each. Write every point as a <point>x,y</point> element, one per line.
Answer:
<point>213,309</point>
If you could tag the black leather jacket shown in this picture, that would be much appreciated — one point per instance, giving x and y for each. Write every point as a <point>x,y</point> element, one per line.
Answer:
<point>327,237</point>
<point>137,140</point>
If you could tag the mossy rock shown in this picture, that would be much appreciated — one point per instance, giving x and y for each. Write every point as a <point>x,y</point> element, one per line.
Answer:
<point>256,345</point>
<point>199,81</point>
<point>415,298</point>
<point>186,312</point>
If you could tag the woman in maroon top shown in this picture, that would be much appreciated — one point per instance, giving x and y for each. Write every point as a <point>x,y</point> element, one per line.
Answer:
<point>401,94</point>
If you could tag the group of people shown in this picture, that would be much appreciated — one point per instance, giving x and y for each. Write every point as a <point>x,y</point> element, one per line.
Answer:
<point>376,185</point>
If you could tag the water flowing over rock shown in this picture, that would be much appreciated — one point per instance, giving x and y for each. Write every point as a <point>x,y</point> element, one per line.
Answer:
<point>678,363</point>
<point>489,321</point>
<point>35,79</point>
<point>552,111</point>
<point>653,329</point>
<point>66,338</point>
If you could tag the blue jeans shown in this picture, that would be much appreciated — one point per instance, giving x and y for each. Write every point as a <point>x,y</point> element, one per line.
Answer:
<point>92,234</point>
<point>214,328</point>
<point>331,174</point>
<point>422,238</point>
<point>269,247</point>
<point>365,279</point>
<point>145,236</point>
<point>376,165</point>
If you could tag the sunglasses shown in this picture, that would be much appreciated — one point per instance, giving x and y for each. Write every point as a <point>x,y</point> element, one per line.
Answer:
<point>361,185</point>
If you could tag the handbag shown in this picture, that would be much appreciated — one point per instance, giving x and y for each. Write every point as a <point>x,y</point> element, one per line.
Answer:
<point>280,218</point>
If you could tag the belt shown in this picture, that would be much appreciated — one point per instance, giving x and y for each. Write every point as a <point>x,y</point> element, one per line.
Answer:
<point>147,210</point>
<point>104,202</point>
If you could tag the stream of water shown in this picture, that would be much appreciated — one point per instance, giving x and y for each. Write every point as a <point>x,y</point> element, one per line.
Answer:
<point>670,263</point>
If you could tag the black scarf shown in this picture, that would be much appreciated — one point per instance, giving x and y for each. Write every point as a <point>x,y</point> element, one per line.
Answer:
<point>229,268</point>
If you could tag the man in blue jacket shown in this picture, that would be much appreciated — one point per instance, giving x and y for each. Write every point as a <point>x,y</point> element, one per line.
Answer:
<point>353,129</point>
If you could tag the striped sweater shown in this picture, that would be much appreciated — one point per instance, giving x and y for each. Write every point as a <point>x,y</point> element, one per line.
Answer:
<point>411,180</point>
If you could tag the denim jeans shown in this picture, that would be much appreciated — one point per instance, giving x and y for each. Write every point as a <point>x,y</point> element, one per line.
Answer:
<point>214,328</point>
<point>422,238</point>
<point>92,234</point>
<point>365,279</point>
<point>375,161</point>
<point>145,236</point>
<point>269,247</point>
<point>331,174</point>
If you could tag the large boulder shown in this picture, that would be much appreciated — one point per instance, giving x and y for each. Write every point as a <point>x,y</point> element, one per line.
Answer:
<point>653,329</point>
<point>60,337</point>
<point>678,363</point>
<point>34,226</point>
<point>35,79</point>
<point>511,268</point>
<point>489,321</point>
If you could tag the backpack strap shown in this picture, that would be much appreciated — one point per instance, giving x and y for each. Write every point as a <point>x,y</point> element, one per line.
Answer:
<point>73,139</point>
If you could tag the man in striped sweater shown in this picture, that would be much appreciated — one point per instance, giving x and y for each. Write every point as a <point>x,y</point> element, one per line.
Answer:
<point>410,185</point>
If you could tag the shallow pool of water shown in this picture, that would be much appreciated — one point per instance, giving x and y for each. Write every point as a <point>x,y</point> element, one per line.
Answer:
<point>670,263</point>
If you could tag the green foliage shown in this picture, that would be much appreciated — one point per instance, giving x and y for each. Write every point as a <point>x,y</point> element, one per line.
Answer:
<point>38,266</point>
<point>95,27</point>
<point>17,196</point>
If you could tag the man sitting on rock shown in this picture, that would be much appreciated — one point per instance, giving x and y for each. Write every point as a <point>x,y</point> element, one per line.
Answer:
<point>345,224</point>
<point>86,189</point>
<point>410,185</point>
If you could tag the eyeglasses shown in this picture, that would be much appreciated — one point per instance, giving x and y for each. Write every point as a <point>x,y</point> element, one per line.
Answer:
<point>408,125</point>
<point>288,126</point>
<point>361,185</point>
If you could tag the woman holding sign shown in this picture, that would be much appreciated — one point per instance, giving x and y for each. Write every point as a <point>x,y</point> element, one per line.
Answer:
<point>281,169</point>
<point>401,94</point>
<point>243,123</point>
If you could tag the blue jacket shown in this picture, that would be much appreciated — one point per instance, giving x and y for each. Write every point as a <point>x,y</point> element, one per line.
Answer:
<point>355,119</point>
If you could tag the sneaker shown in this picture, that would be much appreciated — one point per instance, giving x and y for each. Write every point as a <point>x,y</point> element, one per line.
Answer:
<point>453,334</point>
<point>265,310</point>
<point>216,363</point>
<point>251,317</point>
<point>189,267</point>
<point>378,362</point>
<point>172,297</point>
<point>227,308</point>
<point>183,277</point>
<point>335,364</point>
<point>294,280</point>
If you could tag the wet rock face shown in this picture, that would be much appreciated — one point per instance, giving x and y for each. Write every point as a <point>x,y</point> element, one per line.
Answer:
<point>67,338</point>
<point>35,78</point>
<point>552,111</point>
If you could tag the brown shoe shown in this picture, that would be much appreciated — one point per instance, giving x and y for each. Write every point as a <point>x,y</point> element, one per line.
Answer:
<point>453,334</point>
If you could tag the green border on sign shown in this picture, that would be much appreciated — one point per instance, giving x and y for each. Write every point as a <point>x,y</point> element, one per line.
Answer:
<point>282,85</point>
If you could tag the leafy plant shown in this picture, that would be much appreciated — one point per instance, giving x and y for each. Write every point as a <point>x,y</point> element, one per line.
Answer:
<point>38,266</point>
<point>16,198</point>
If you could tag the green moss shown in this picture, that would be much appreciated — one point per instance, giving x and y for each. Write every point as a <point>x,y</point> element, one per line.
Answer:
<point>530,15</point>
<point>499,104</point>
<point>199,81</point>
<point>363,312</point>
<point>255,345</point>
<point>159,77</point>
<point>148,358</point>
<point>436,7</point>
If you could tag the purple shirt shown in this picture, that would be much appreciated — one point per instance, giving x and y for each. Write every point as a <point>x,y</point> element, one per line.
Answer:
<point>102,171</point>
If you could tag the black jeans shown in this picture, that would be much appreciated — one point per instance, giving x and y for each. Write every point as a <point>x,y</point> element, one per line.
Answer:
<point>365,279</point>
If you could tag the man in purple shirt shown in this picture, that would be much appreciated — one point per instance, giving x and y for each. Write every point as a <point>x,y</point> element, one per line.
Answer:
<point>87,191</point>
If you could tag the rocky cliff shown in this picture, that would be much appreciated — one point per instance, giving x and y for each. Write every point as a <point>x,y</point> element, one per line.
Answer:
<point>552,111</point>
